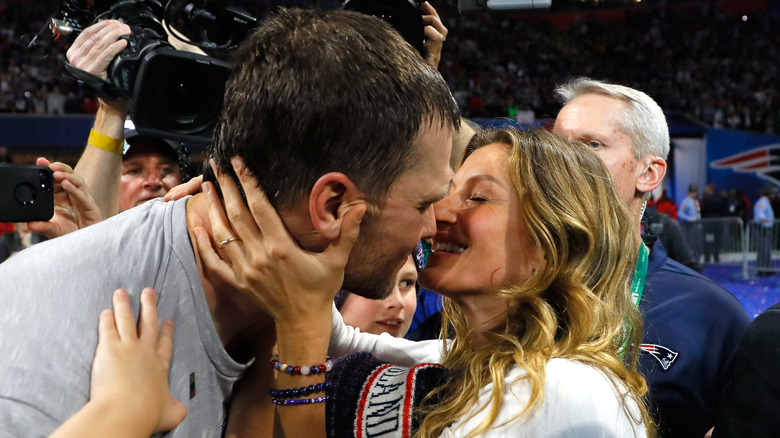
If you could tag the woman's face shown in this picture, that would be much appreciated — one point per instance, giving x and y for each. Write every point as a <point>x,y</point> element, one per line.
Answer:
<point>393,314</point>
<point>481,241</point>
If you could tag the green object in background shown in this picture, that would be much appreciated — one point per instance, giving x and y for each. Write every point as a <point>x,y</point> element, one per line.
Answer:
<point>426,244</point>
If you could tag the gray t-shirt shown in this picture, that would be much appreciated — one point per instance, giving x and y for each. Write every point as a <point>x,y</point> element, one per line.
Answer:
<point>52,293</point>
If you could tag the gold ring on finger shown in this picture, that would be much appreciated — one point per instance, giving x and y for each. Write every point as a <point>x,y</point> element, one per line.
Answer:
<point>228,240</point>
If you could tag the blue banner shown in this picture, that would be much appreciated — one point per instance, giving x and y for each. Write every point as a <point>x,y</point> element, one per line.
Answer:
<point>743,160</point>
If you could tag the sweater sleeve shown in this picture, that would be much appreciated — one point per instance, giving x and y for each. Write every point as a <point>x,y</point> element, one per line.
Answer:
<point>346,340</point>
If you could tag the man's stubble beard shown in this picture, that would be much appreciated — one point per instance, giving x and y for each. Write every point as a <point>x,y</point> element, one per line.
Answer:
<point>367,273</point>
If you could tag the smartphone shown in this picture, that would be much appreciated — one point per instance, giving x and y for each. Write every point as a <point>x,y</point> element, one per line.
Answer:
<point>26,193</point>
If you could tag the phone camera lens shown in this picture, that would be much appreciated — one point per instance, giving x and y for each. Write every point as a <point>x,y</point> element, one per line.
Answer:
<point>25,194</point>
<point>45,178</point>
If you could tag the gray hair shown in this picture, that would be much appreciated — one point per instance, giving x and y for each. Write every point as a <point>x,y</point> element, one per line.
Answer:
<point>643,120</point>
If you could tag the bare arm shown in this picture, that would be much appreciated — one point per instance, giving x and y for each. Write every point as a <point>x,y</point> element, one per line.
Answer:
<point>102,169</point>
<point>92,51</point>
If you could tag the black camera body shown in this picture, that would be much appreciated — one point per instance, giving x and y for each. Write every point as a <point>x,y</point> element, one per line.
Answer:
<point>173,94</point>
<point>180,96</point>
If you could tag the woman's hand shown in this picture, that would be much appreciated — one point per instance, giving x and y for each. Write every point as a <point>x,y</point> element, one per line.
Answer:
<point>74,206</point>
<point>258,256</point>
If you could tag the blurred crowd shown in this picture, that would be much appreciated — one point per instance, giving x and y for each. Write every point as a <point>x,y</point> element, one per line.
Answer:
<point>701,61</point>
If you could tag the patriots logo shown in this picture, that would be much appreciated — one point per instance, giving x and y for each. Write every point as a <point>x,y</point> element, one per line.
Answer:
<point>663,355</point>
<point>764,161</point>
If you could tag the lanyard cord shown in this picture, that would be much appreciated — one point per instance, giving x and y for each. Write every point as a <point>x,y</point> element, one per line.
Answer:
<point>637,287</point>
<point>640,274</point>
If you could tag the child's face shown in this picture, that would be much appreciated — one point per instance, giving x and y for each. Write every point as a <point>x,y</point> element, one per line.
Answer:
<point>393,314</point>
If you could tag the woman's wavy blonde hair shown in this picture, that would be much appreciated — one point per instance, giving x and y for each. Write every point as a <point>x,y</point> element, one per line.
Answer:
<point>578,306</point>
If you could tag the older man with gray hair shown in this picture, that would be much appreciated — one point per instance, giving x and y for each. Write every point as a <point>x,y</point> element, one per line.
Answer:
<point>691,325</point>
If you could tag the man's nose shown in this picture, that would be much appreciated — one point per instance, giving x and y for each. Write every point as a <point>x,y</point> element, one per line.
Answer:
<point>429,223</point>
<point>153,180</point>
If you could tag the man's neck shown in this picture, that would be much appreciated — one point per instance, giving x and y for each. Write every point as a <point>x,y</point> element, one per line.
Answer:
<point>635,205</point>
<point>235,316</point>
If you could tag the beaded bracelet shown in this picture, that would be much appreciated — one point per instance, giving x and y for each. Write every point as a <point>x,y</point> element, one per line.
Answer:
<point>299,392</point>
<point>301,371</point>
<point>300,401</point>
<point>108,144</point>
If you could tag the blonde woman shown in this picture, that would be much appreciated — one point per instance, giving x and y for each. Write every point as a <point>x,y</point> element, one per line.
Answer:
<point>534,253</point>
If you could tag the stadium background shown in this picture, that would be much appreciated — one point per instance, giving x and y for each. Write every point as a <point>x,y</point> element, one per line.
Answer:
<point>712,66</point>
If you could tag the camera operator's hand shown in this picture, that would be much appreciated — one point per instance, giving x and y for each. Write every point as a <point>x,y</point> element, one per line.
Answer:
<point>435,34</point>
<point>97,45</point>
<point>95,48</point>
<point>92,51</point>
<point>74,207</point>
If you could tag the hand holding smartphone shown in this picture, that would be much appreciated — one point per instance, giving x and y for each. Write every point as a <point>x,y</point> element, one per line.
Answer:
<point>26,193</point>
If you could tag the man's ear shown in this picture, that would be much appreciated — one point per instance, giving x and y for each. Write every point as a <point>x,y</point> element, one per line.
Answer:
<point>653,174</point>
<point>330,192</point>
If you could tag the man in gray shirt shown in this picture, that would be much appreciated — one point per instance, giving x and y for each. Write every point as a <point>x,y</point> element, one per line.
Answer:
<point>327,110</point>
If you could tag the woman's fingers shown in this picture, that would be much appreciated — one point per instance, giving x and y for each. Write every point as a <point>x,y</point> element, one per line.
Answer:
<point>337,253</point>
<point>238,215</point>
<point>213,262</point>
<point>225,237</point>
<point>262,211</point>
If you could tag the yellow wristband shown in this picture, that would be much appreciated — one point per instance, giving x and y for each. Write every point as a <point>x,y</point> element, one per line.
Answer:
<point>109,144</point>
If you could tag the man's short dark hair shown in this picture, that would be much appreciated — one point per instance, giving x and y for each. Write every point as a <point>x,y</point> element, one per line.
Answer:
<point>316,91</point>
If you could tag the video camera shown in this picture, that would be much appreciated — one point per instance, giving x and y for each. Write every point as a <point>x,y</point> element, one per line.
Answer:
<point>174,94</point>
<point>177,94</point>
